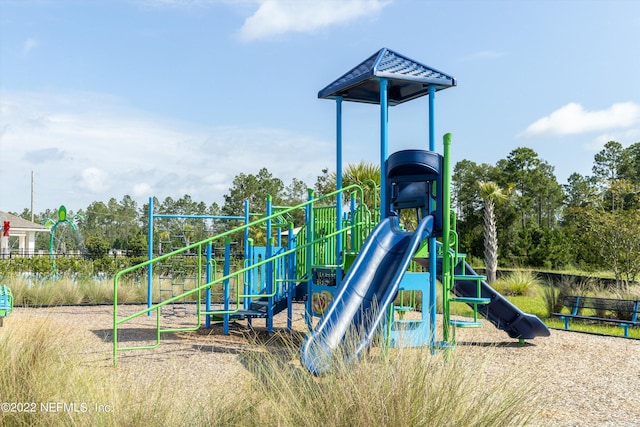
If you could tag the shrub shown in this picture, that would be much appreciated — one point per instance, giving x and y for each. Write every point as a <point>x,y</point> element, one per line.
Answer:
<point>518,283</point>
<point>553,295</point>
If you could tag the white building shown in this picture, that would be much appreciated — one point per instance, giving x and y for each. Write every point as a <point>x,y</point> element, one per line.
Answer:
<point>23,231</point>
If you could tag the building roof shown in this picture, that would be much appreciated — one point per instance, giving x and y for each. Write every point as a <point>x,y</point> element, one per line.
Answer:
<point>21,224</point>
<point>407,79</point>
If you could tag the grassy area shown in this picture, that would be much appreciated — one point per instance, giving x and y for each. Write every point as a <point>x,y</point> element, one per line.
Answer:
<point>521,287</point>
<point>568,270</point>
<point>61,290</point>
<point>66,290</point>
<point>48,380</point>
<point>593,328</point>
<point>530,295</point>
<point>44,364</point>
<point>45,367</point>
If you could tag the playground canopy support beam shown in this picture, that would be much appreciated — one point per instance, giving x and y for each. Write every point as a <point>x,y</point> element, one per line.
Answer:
<point>338,260</point>
<point>433,284</point>
<point>384,145</point>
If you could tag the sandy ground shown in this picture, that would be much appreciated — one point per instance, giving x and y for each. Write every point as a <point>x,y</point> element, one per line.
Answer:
<point>582,380</point>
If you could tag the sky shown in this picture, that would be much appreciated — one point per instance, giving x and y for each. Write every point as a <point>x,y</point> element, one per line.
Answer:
<point>106,98</point>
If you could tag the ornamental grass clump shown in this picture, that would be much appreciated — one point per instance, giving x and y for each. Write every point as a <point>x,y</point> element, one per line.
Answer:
<point>518,283</point>
<point>401,387</point>
<point>50,376</point>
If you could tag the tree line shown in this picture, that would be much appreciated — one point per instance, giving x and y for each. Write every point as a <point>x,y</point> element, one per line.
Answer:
<point>592,222</point>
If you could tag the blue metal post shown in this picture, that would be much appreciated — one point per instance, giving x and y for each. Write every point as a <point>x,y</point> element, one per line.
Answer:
<point>269,269</point>
<point>150,257</point>
<point>384,142</point>
<point>226,270</point>
<point>246,221</point>
<point>207,320</point>
<point>309,255</point>
<point>338,259</point>
<point>432,115</point>
<point>251,278</point>
<point>291,274</point>
<point>247,253</point>
<point>432,241</point>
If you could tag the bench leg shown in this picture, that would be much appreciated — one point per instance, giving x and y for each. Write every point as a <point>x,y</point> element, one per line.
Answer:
<point>1,320</point>
<point>625,326</point>
<point>566,323</point>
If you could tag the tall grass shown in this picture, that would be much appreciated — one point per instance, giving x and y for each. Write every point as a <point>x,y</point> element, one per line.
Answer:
<point>409,387</point>
<point>518,283</point>
<point>51,381</point>
<point>67,290</point>
<point>45,364</point>
<point>553,295</point>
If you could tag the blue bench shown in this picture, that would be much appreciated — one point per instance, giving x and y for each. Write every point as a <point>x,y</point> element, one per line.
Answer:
<point>6,302</point>
<point>622,312</point>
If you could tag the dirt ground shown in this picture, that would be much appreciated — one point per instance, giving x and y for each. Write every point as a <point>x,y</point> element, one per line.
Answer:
<point>584,380</point>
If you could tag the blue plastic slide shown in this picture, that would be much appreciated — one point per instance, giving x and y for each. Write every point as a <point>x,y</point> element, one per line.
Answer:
<point>502,313</point>
<point>361,302</point>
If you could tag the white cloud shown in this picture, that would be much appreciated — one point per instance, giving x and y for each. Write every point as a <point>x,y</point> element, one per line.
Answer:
<point>94,180</point>
<point>275,17</point>
<point>141,189</point>
<point>627,137</point>
<point>29,44</point>
<point>574,119</point>
<point>86,147</point>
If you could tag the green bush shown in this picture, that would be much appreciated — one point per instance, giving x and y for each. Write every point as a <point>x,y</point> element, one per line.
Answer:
<point>518,283</point>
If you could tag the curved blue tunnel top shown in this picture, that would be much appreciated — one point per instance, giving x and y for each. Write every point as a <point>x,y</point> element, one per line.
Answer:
<point>407,79</point>
<point>413,162</point>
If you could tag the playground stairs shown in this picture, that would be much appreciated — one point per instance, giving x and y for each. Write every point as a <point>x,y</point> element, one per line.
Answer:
<point>408,325</point>
<point>472,301</point>
<point>259,309</point>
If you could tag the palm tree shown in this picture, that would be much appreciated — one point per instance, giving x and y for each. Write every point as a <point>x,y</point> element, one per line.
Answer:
<point>491,194</point>
<point>364,174</point>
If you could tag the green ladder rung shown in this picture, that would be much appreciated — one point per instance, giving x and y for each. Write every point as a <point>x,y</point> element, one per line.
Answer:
<point>471,300</point>
<point>465,324</point>
<point>467,277</point>
<point>403,308</point>
<point>443,345</point>
<point>408,321</point>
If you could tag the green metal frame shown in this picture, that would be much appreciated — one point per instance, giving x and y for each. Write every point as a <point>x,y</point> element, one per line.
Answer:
<point>311,243</point>
<point>451,257</point>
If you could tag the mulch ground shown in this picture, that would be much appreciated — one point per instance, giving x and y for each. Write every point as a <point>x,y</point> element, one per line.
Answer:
<point>581,379</point>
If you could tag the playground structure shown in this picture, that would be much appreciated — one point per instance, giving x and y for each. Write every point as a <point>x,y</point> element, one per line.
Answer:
<point>6,302</point>
<point>62,218</point>
<point>176,273</point>
<point>357,269</point>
